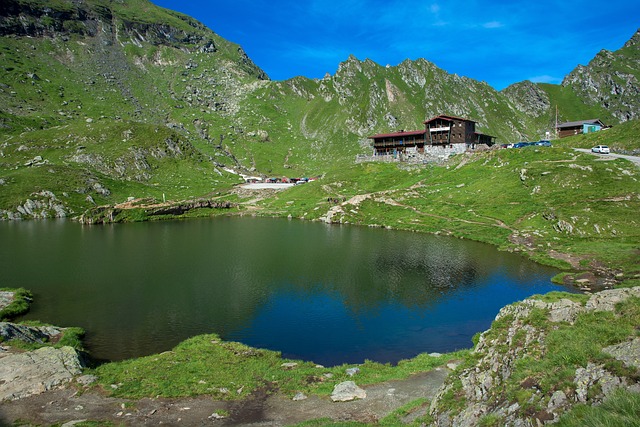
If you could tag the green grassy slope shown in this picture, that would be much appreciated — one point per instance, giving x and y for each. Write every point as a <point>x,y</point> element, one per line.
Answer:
<point>132,64</point>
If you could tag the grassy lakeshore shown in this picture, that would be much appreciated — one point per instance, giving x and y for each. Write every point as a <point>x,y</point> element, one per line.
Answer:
<point>229,370</point>
<point>554,205</point>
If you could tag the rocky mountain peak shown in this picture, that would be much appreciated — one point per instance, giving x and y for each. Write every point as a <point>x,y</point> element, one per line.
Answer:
<point>528,98</point>
<point>634,41</point>
<point>611,80</point>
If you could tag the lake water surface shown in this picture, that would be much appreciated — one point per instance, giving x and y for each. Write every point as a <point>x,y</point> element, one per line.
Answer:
<point>327,293</point>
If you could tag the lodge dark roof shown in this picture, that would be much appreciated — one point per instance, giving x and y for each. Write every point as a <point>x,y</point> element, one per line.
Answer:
<point>450,118</point>
<point>396,134</point>
<point>579,123</point>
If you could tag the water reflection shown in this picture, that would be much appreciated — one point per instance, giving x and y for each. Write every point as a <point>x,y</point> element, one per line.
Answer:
<point>330,294</point>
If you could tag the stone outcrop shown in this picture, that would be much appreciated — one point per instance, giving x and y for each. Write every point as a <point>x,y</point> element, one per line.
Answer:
<point>26,373</point>
<point>110,214</point>
<point>28,334</point>
<point>40,205</point>
<point>6,298</point>
<point>33,372</point>
<point>482,388</point>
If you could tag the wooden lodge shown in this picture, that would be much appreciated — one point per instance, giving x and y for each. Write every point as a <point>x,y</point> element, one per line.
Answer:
<point>440,131</point>
<point>579,127</point>
<point>391,143</point>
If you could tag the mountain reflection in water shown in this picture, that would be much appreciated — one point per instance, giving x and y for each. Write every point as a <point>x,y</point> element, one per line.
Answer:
<point>327,293</point>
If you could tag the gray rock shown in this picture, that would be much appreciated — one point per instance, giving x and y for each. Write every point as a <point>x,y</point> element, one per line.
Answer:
<point>593,374</point>
<point>98,188</point>
<point>347,391</point>
<point>34,372</point>
<point>352,371</point>
<point>497,355</point>
<point>6,298</point>
<point>606,300</point>
<point>563,227</point>
<point>626,352</point>
<point>299,396</point>
<point>28,334</point>
<point>86,379</point>
<point>564,310</point>
<point>558,400</point>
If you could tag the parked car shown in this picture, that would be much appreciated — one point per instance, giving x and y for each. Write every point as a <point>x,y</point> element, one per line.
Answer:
<point>602,149</point>
<point>520,144</point>
<point>544,143</point>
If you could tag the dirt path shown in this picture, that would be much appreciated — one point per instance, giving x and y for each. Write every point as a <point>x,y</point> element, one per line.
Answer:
<point>261,409</point>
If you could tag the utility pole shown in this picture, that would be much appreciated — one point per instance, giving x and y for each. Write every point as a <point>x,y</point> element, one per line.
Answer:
<point>555,131</point>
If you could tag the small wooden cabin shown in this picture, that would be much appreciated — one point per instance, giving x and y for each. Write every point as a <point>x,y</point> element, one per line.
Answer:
<point>579,127</point>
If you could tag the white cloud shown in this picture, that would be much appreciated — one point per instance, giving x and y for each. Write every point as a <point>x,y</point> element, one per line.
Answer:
<point>545,79</point>
<point>493,24</point>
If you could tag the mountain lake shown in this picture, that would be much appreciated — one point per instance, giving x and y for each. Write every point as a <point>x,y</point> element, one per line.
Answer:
<point>331,294</point>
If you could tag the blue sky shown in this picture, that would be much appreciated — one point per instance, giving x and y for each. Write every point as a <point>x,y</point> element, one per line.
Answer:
<point>500,42</point>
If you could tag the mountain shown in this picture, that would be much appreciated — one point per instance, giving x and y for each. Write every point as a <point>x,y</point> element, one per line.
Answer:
<point>108,99</point>
<point>104,94</point>
<point>611,81</point>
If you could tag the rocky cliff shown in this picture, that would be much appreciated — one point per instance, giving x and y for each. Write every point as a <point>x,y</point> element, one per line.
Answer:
<point>543,356</point>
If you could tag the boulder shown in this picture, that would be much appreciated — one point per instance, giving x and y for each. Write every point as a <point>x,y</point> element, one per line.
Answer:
<point>606,300</point>
<point>626,352</point>
<point>6,298</point>
<point>352,371</point>
<point>34,372</point>
<point>347,391</point>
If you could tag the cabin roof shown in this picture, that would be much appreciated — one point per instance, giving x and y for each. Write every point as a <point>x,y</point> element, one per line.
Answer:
<point>449,118</point>
<point>580,123</point>
<point>396,134</point>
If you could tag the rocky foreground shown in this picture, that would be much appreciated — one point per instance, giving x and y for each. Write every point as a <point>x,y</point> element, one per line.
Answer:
<point>498,384</point>
<point>27,373</point>
<point>42,386</point>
